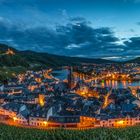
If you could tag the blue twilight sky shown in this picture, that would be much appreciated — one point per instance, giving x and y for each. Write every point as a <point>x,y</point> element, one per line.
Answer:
<point>86,28</point>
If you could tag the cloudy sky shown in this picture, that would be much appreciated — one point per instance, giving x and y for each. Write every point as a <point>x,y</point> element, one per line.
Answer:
<point>86,28</point>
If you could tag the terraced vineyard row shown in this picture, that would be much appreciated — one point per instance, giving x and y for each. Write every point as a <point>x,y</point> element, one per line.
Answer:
<point>13,133</point>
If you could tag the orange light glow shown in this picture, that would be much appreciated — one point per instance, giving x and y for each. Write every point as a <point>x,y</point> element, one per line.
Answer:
<point>45,123</point>
<point>106,101</point>
<point>38,80</point>
<point>10,52</point>
<point>15,119</point>
<point>41,100</point>
<point>120,122</point>
<point>113,76</point>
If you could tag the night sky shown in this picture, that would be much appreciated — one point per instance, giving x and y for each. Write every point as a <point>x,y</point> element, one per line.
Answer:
<point>85,28</point>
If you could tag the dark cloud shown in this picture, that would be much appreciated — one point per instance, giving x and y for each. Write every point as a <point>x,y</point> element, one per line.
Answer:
<point>133,47</point>
<point>77,38</point>
<point>133,43</point>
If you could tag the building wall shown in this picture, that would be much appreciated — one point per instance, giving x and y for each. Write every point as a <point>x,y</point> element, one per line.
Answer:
<point>120,122</point>
<point>84,121</point>
<point>36,121</point>
<point>20,120</point>
<point>7,113</point>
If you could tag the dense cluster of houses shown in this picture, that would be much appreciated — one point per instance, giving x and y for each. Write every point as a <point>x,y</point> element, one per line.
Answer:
<point>20,114</point>
<point>40,100</point>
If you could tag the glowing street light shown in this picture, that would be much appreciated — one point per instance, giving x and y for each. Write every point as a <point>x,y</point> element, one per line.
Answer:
<point>121,122</point>
<point>45,123</point>
<point>15,119</point>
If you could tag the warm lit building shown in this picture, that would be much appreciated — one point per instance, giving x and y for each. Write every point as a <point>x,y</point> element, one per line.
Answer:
<point>10,52</point>
<point>86,121</point>
<point>120,122</point>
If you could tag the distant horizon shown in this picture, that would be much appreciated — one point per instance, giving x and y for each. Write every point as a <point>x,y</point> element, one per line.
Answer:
<point>106,29</point>
<point>110,59</point>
